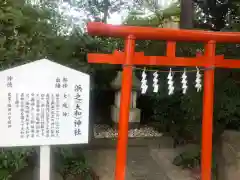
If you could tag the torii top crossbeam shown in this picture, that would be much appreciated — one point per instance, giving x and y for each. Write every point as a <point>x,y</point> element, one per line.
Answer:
<point>171,35</point>
<point>130,58</point>
<point>149,33</point>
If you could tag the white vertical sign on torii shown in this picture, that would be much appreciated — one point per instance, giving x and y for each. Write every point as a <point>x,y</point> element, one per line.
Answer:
<point>41,104</point>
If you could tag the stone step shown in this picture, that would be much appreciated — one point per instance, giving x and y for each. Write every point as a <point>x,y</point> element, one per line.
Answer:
<point>140,165</point>
<point>105,143</point>
<point>164,158</point>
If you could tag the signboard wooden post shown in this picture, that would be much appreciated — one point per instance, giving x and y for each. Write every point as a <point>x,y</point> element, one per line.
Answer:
<point>42,104</point>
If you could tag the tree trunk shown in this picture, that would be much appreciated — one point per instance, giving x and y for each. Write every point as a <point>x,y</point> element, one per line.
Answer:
<point>187,14</point>
<point>106,9</point>
<point>186,22</point>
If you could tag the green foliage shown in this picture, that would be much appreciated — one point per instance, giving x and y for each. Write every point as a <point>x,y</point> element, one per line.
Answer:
<point>228,101</point>
<point>180,124</point>
<point>29,33</point>
<point>68,163</point>
<point>156,17</point>
<point>226,107</point>
<point>135,19</point>
<point>100,10</point>
<point>72,164</point>
<point>218,15</point>
<point>173,10</point>
<point>25,32</point>
<point>12,161</point>
<point>189,158</point>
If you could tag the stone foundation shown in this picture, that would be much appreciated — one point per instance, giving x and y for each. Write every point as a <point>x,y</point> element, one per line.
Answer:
<point>229,156</point>
<point>130,126</point>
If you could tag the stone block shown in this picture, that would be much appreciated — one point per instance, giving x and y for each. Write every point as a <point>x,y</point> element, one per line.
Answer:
<point>230,156</point>
<point>134,117</point>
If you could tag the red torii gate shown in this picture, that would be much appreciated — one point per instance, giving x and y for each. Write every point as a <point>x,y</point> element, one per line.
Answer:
<point>130,58</point>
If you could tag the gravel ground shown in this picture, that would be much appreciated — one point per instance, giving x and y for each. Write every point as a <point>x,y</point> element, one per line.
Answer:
<point>104,131</point>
